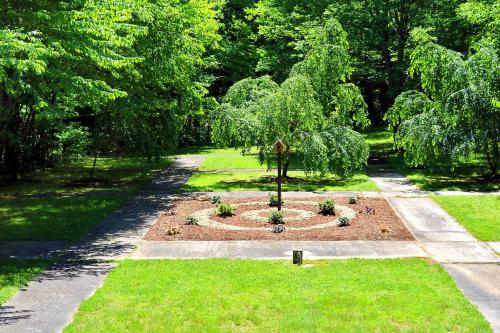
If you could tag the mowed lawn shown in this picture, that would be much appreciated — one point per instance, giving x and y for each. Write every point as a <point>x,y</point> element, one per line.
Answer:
<point>51,204</point>
<point>222,295</point>
<point>15,274</point>
<point>266,181</point>
<point>480,214</point>
<point>223,170</point>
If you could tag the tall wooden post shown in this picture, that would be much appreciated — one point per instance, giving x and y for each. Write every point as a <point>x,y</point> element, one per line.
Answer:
<point>279,152</point>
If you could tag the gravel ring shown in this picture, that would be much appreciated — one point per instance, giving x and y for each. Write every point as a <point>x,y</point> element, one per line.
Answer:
<point>203,217</point>
<point>255,215</point>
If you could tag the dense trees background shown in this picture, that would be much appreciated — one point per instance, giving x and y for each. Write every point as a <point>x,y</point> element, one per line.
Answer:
<point>92,77</point>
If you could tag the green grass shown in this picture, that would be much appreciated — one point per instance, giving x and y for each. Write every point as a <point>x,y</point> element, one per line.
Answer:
<point>265,181</point>
<point>463,177</point>
<point>479,214</point>
<point>228,158</point>
<point>275,296</point>
<point>46,206</point>
<point>15,274</point>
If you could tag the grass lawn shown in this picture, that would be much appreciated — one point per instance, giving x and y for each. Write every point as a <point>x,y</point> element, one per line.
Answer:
<point>264,181</point>
<point>437,179</point>
<point>15,274</point>
<point>275,296</point>
<point>228,158</point>
<point>479,214</point>
<point>48,206</point>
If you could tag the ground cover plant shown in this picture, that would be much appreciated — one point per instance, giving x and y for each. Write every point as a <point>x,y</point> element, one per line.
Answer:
<point>16,273</point>
<point>51,205</point>
<point>478,214</point>
<point>265,181</point>
<point>220,295</point>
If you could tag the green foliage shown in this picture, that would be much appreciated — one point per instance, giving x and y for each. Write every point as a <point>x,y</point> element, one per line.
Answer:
<point>353,200</point>
<point>310,110</point>
<point>225,210</point>
<point>344,221</point>
<point>273,200</point>
<point>460,114</point>
<point>276,217</point>
<point>216,199</point>
<point>191,220</point>
<point>327,207</point>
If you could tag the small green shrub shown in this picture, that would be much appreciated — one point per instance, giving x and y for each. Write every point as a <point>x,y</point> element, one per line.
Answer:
<point>344,221</point>
<point>191,220</point>
<point>276,217</point>
<point>327,207</point>
<point>225,209</point>
<point>273,200</point>
<point>353,200</point>
<point>216,199</point>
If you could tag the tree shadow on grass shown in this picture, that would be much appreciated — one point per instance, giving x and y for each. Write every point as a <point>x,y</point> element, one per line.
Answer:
<point>268,183</point>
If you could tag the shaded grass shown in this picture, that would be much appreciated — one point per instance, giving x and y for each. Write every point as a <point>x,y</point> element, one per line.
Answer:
<point>221,295</point>
<point>54,217</point>
<point>463,177</point>
<point>15,274</point>
<point>480,214</point>
<point>47,206</point>
<point>119,173</point>
<point>265,181</point>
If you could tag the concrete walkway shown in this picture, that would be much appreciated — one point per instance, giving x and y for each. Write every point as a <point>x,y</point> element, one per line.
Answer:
<point>277,249</point>
<point>48,303</point>
<point>473,264</point>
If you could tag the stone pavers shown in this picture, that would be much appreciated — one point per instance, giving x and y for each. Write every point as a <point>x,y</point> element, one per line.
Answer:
<point>495,246</point>
<point>48,303</point>
<point>276,249</point>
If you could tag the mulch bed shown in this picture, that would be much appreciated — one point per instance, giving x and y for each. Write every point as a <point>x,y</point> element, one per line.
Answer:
<point>383,225</point>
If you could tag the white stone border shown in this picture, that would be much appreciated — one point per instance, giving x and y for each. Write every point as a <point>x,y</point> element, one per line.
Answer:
<point>203,217</point>
<point>255,215</point>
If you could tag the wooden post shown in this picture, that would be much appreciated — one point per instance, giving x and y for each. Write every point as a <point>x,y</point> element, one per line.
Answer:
<point>279,151</point>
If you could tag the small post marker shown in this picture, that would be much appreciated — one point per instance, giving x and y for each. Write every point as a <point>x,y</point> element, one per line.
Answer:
<point>297,257</point>
<point>280,147</point>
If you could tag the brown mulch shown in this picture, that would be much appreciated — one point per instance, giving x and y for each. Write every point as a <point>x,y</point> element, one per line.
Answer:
<point>383,225</point>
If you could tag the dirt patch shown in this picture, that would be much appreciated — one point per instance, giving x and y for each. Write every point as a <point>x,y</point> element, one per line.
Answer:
<point>383,225</point>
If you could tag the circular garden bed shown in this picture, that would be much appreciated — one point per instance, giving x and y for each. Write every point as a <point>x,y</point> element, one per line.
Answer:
<point>369,219</point>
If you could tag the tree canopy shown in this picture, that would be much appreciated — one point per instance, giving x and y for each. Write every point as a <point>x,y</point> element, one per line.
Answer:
<point>311,112</point>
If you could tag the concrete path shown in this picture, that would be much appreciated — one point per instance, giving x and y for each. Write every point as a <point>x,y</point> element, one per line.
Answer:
<point>32,249</point>
<point>473,264</point>
<point>276,249</point>
<point>48,303</point>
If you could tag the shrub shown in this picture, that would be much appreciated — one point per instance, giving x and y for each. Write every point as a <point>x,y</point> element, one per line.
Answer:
<point>225,209</point>
<point>191,220</point>
<point>344,221</point>
<point>174,230</point>
<point>327,207</point>
<point>276,217</point>
<point>273,200</point>
<point>216,199</point>
<point>353,200</point>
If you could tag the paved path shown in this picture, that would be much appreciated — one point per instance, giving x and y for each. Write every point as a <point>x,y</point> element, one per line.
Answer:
<point>473,264</point>
<point>32,249</point>
<point>276,249</point>
<point>48,303</point>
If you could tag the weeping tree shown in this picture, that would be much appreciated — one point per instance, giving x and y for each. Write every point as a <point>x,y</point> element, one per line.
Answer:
<point>313,112</point>
<point>457,113</point>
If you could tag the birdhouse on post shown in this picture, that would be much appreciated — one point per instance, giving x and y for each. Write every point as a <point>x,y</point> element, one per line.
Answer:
<point>280,148</point>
